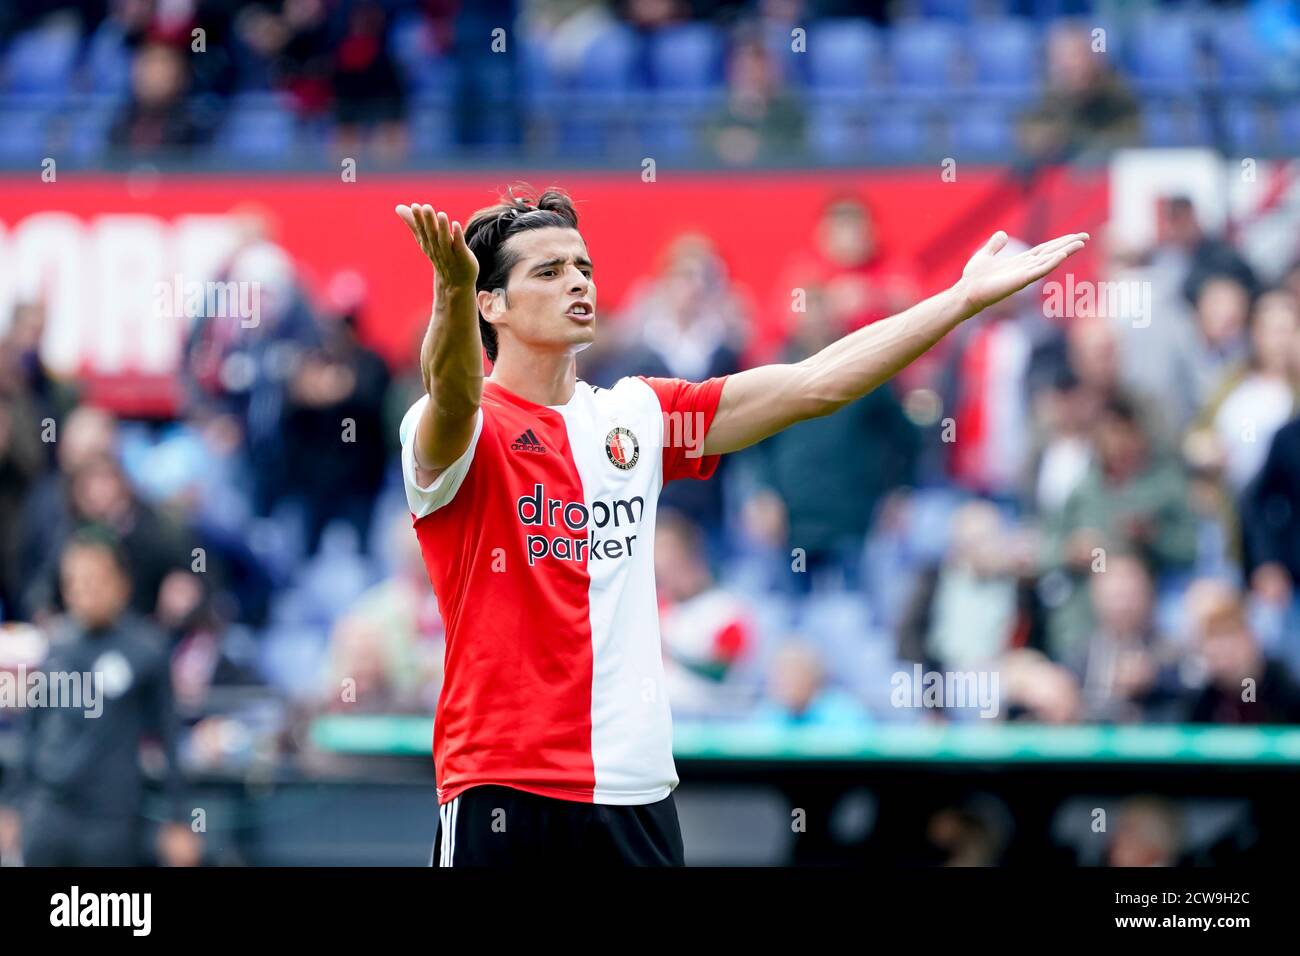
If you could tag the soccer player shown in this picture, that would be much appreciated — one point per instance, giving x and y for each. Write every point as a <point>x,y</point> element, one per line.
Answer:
<point>533,497</point>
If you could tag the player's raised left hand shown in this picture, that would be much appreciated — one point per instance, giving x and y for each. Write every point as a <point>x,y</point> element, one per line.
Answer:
<point>990,278</point>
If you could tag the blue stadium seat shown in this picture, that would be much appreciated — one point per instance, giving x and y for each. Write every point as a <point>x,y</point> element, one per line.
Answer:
<point>1174,125</point>
<point>1164,54</point>
<point>924,55</point>
<point>1242,61</point>
<point>258,126</point>
<point>107,68</point>
<point>1246,127</point>
<point>538,80</point>
<point>985,129</point>
<point>90,124</point>
<point>1052,9</point>
<point>843,55</point>
<point>795,67</point>
<point>1289,127</point>
<point>835,133</point>
<point>41,61</point>
<point>1007,56</point>
<point>410,43</point>
<point>611,63</point>
<point>431,127</point>
<point>686,57</point>
<point>899,134</point>
<point>665,133</point>
<point>960,11</point>
<point>24,126</point>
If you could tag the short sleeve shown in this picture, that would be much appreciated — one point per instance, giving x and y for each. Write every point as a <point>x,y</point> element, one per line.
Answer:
<point>426,500</point>
<point>688,409</point>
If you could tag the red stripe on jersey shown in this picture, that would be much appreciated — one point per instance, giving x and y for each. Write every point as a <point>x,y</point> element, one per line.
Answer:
<point>688,409</point>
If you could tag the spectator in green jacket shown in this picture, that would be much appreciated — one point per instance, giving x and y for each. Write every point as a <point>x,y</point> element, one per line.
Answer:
<point>1133,499</point>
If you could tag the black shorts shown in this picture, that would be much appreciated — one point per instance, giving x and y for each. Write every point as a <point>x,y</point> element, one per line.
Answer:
<point>502,826</point>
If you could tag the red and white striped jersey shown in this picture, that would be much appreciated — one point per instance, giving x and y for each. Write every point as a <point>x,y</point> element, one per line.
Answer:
<point>539,543</point>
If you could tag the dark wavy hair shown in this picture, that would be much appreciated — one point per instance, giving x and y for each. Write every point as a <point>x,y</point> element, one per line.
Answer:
<point>520,208</point>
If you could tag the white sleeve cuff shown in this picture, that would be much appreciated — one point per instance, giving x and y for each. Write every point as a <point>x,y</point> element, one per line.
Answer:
<point>440,491</point>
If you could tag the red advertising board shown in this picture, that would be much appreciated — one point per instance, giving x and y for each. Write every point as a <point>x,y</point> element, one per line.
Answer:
<point>96,248</point>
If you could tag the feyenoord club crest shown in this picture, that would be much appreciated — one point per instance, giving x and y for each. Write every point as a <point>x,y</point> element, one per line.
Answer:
<point>622,448</point>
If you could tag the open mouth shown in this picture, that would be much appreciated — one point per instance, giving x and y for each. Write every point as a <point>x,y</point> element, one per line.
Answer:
<point>581,312</point>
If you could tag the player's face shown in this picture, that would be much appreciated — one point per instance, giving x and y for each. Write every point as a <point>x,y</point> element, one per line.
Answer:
<point>551,296</point>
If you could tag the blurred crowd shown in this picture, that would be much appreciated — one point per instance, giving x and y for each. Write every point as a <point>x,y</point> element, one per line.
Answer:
<point>1102,510</point>
<point>736,82</point>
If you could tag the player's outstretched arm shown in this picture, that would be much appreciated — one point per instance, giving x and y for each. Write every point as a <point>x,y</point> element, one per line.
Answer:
<point>451,358</point>
<point>760,402</point>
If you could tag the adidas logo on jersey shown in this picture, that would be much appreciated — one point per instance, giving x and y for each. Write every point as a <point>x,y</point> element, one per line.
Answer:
<point>528,442</point>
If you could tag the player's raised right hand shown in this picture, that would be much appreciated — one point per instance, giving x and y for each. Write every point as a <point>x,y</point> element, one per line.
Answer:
<point>443,242</point>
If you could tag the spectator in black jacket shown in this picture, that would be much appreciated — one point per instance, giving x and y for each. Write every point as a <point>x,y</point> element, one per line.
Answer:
<point>824,478</point>
<point>80,783</point>
<point>99,494</point>
<point>1243,684</point>
<point>334,430</point>
<point>1270,515</point>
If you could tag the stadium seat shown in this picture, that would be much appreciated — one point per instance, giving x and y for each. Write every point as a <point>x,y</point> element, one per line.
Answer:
<point>90,123</point>
<point>1242,62</point>
<point>685,57</point>
<point>1006,55</point>
<point>794,67</point>
<point>1245,126</point>
<point>410,42</point>
<point>1289,127</point>
<point>925,56</point>
<point>959,11</point>
<point>1164,54</point>
<point>984,129</point>
<point>667,131</point>
<point>1164,124</point>
<point>258,126</point>
<point>41,60</point>
<point>836,133</point>
<point>611,63</point>
<point>431,127</point>
<point>899,133</point>
<point>24,126</point>
<point>539,83</point>
<point>107,67</point>
<point>843,56</point>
